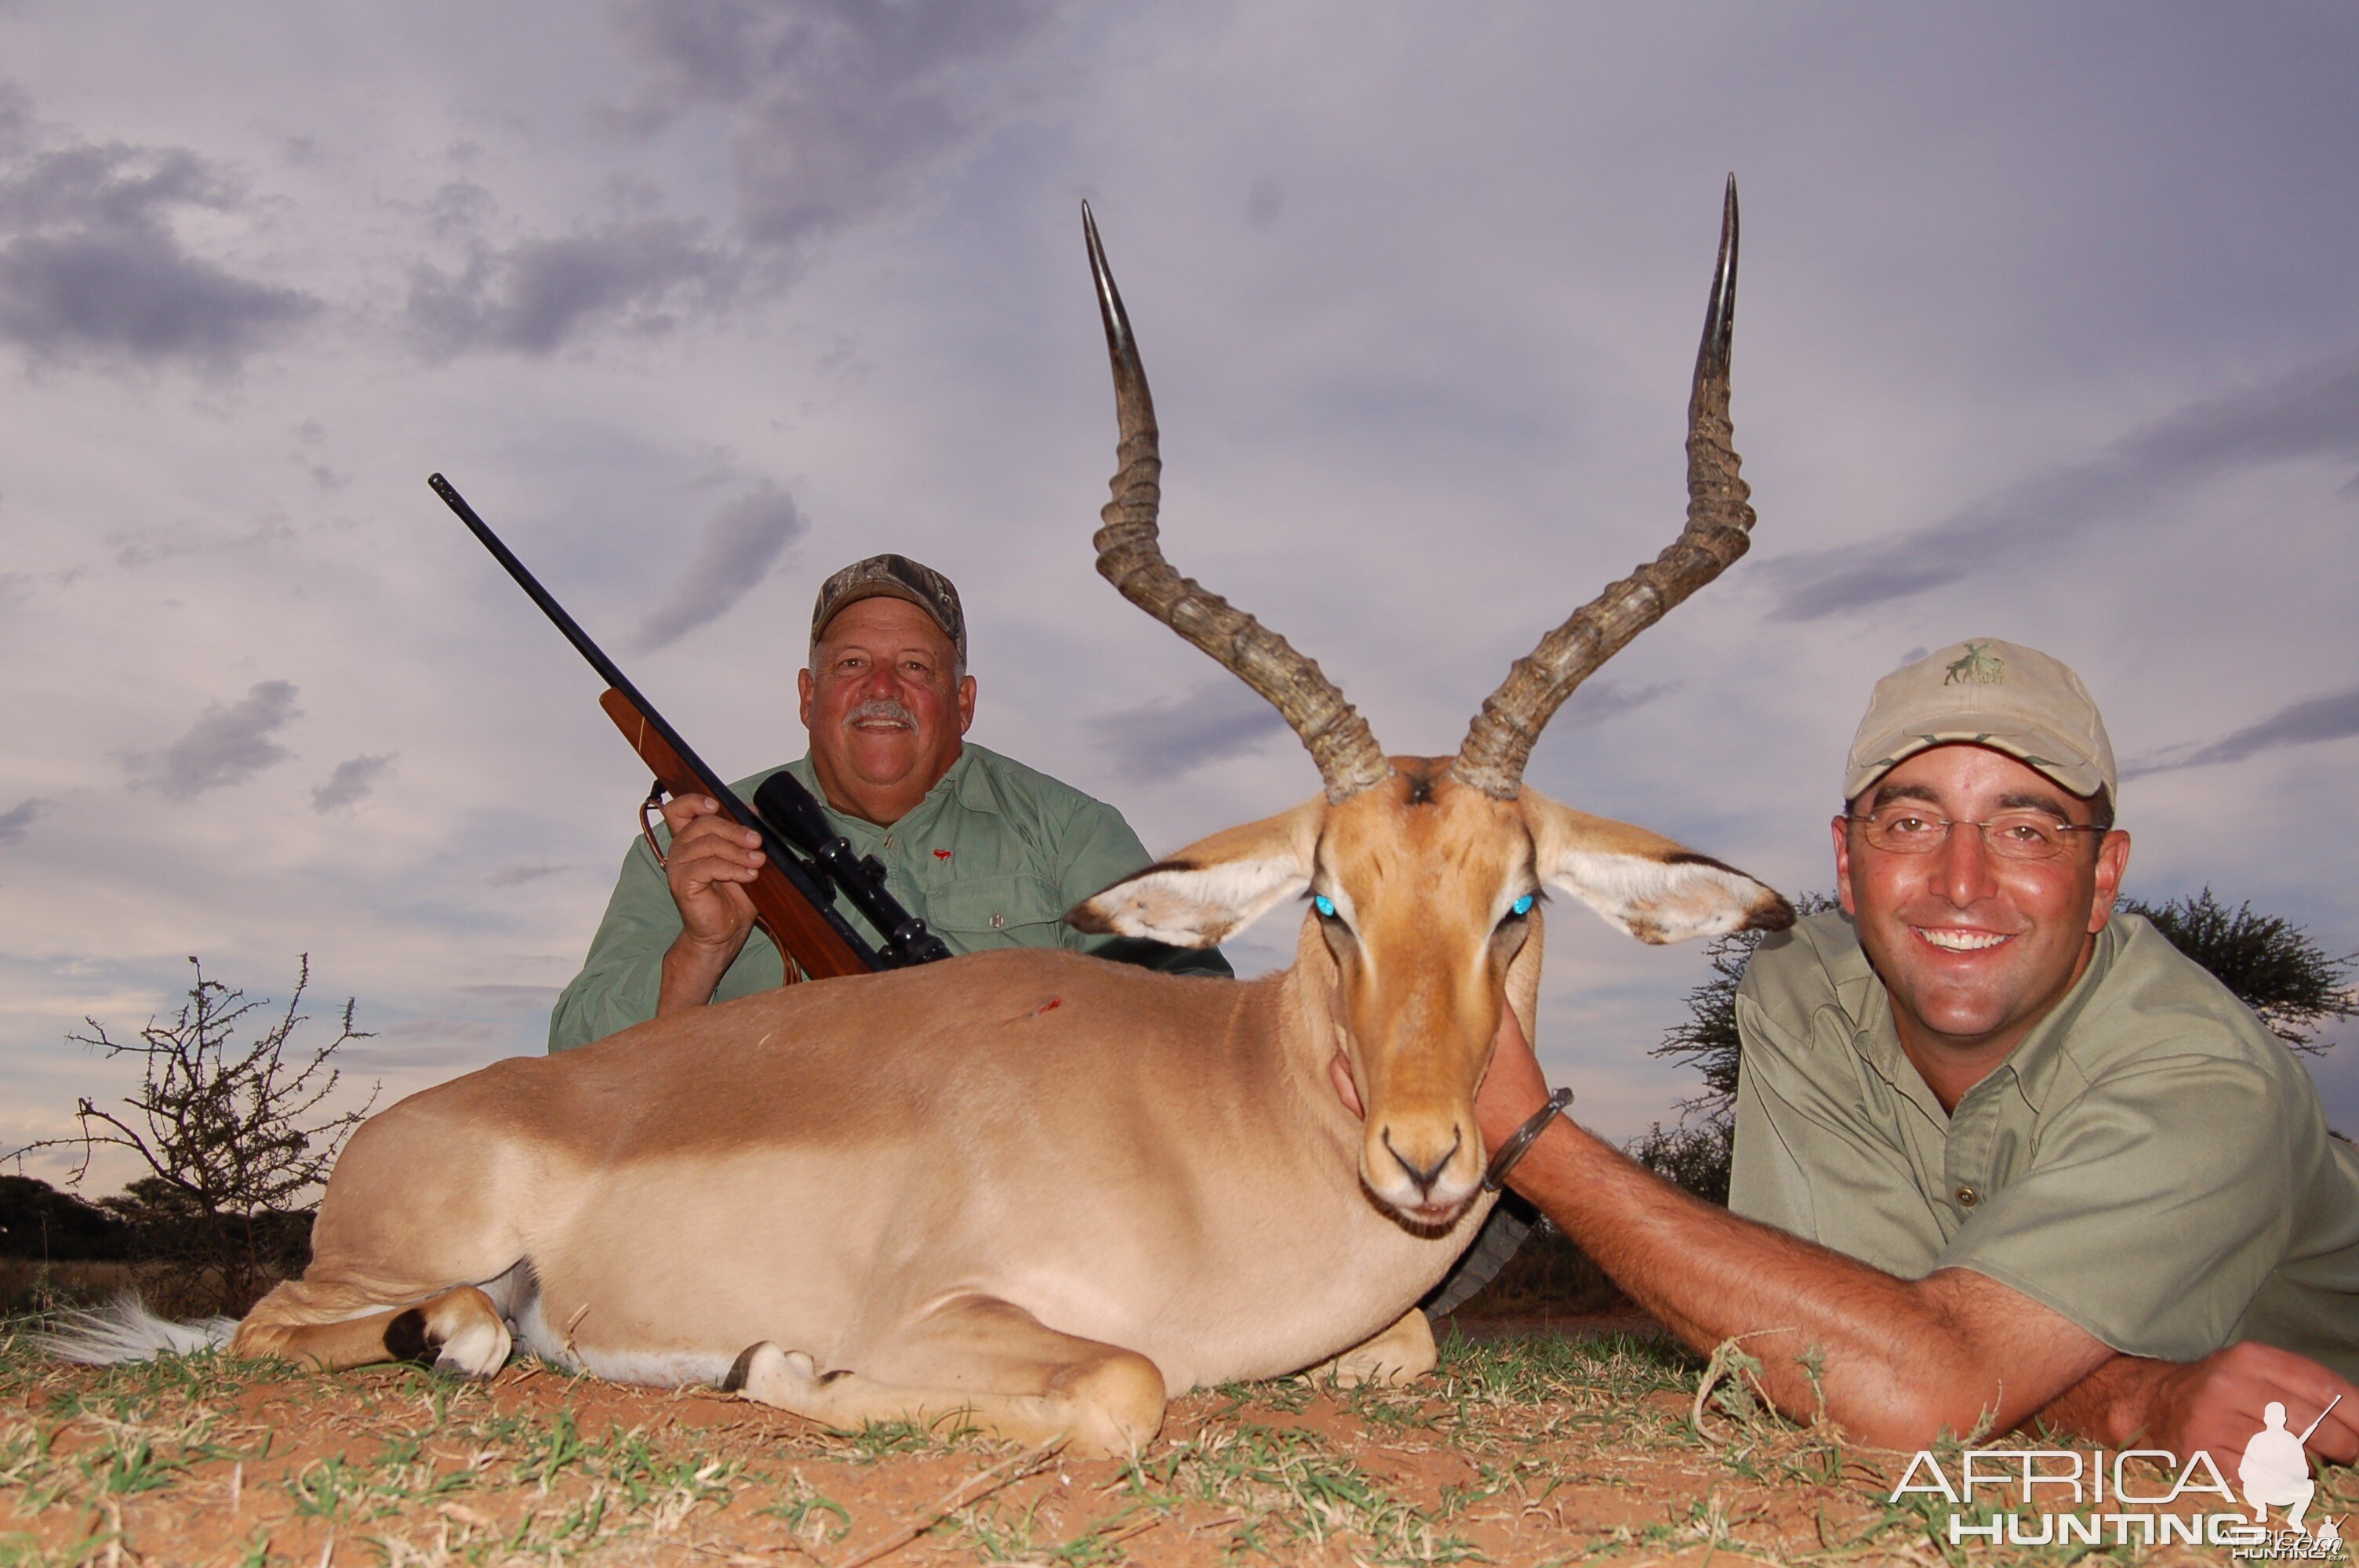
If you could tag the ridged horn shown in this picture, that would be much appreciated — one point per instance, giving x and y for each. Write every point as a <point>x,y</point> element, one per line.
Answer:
<point>1719,530</point>
<point>1130,555</point>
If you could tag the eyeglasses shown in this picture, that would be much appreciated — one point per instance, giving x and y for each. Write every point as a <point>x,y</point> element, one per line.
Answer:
<point>2011,835</point>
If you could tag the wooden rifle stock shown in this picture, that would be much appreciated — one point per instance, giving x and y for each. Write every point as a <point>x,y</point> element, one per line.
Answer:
<point>801,932</point>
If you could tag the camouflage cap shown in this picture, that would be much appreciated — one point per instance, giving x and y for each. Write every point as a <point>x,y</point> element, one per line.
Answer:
<point>892,577</point>
<point>1987,693</point>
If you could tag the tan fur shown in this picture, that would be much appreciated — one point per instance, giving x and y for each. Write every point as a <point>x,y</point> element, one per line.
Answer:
<point>1400,1354</point>
<point>1032,1190</point>
<point>314,1323</point>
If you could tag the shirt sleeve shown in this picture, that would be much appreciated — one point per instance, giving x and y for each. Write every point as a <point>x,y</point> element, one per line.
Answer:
<point>2157,1204</point>
<point>1815,1155</point>
<point>1097,849</point>
<point>623,976</point>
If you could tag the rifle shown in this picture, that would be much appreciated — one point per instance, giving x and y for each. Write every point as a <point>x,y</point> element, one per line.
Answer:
<point>794,892</point>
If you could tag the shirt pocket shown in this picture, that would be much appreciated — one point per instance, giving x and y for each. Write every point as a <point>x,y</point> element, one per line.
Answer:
<point>976,912</point>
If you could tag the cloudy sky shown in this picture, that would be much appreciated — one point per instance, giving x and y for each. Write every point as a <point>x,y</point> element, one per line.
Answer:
<point>2047,332</point>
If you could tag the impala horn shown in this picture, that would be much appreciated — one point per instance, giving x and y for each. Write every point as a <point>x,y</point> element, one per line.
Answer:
<point>1717,531</point>
<point>1130,555</point>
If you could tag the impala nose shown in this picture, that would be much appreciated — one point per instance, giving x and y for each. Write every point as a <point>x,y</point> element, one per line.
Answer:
<point>1423,1176</point>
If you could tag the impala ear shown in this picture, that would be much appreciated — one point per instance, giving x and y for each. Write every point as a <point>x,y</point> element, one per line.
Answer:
<point>1214,886</point>
<point>1644,882</point>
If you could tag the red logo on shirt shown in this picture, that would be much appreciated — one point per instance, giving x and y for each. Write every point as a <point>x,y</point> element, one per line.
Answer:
<point>942,854</point>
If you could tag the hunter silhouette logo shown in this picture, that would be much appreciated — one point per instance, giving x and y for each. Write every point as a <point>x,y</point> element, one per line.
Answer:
<point>1976,666</point>
<point>2275,1472</point>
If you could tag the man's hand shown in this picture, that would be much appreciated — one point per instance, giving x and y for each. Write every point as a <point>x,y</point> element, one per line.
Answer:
<point>709,862</point>
<point>1893,1361</point>
<point>2215,1404</point>
<point>1514,1088</point>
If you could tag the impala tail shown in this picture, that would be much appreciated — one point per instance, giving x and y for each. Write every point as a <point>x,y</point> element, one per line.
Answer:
<point>125,1331</point>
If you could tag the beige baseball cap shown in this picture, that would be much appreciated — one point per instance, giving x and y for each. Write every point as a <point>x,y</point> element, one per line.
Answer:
<point>1989,693</point>
<point>892,577</point>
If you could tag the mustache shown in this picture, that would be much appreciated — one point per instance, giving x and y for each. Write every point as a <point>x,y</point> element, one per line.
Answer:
<point>883,708</point>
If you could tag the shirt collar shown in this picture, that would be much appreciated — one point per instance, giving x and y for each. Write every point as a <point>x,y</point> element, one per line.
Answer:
<point>971,780</point>
<point>2040,1057</point>
<point>1866,1008</point>
<point>2032,1065</point>
<point>1877,1039</point>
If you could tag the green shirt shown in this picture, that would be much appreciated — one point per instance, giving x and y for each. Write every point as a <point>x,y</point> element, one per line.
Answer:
<point>2151,1162</point>
<point>992,857</point>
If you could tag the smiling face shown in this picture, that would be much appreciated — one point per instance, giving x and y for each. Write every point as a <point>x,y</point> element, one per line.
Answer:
<point>886,707</point>
<point>1974,949</point>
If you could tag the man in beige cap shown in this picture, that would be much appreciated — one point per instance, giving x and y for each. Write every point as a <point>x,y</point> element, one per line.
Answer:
<point>2001,1154</point>
<point>987,851</point>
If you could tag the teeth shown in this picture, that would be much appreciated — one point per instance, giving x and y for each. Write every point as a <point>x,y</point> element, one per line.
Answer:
<point>1961,941</point>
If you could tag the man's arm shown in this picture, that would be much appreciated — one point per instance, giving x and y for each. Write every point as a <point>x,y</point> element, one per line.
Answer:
<point>646,960</point>
<point>708,862</point>
<point>619,979</point>
<point>1897,1361</point>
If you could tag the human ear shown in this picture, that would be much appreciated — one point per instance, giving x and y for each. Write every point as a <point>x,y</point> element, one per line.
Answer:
<point>1842,865</point>
<point>2112,860</point>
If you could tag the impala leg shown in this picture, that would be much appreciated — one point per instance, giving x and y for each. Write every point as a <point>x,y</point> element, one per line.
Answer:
<point>978,1362</point>
<point>1401,1353</point>
<point>331,1327</point>
<point>420,1210</point>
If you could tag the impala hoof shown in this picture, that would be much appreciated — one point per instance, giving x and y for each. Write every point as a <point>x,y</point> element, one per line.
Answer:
<point>769,1376</point>
<point>460,1332</point>
<point>477,1350</point>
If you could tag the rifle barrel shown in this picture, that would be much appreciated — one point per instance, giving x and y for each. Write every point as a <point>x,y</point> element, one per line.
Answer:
<point>773,846</point>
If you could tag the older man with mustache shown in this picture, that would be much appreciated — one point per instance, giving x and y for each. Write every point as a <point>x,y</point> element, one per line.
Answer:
<point>989,852</point>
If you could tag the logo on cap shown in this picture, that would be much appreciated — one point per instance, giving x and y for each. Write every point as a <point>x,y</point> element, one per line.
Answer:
<point>1978,667</point>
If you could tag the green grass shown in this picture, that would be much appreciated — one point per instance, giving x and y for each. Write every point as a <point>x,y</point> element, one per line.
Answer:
<point>1527,1450</point>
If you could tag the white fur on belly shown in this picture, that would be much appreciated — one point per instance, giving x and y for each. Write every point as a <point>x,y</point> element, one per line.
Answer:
<point>648,1368</point>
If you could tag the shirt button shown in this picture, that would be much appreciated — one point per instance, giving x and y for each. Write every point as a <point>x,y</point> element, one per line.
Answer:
<point>889,840</point>
<point>1968,1198</point>
<point>999,923</point>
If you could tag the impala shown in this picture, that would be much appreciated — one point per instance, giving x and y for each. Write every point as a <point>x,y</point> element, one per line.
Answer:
<point>1035,1191</point>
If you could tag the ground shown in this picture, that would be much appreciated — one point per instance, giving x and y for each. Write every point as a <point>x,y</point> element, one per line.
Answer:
<point>1571,1443</point>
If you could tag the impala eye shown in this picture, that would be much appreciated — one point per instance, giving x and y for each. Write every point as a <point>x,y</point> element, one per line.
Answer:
<point>1323,904</point>
<point>1521,906</point>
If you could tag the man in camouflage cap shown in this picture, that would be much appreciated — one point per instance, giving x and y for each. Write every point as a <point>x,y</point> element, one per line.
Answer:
<point>2001,1153</point>
<point>894,577</point>
<point>988,852</point>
